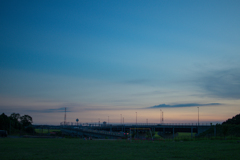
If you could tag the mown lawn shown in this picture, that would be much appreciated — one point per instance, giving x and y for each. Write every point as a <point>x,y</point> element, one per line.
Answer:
<point>27,148</point>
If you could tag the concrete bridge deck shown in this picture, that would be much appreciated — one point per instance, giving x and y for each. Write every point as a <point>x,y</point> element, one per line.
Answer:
<point>91,133</point>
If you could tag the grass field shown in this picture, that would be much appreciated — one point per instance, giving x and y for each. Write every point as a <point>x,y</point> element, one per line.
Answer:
<point>20,148</point>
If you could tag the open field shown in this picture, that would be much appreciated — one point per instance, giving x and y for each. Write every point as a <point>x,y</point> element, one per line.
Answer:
<point>20,148</point>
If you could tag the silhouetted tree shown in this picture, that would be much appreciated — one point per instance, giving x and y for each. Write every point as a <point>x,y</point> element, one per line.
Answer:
<point>225,129</point>
<point>30,129</point>
<point>26,120</point>
<point>14,118</point>
<point>233,120</point>
<point>4,122</point>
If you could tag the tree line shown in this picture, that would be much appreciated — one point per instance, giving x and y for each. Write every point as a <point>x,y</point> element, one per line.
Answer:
<point>16,123</point>
<point>230,127</point>
<point>234,120</point>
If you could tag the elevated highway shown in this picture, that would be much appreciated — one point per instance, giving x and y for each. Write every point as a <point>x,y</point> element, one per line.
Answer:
<point>118,130</point>
<point>165,128</point>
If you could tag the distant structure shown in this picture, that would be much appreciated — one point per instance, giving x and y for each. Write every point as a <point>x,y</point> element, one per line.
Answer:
<point>65,117</point>
<point>104,123</point>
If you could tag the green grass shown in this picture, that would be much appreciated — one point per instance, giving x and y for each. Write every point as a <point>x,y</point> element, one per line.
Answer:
<point>20,148</point>
<point>182,134</point>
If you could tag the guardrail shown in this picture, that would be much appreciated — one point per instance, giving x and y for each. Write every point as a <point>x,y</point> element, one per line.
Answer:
<point>166,124</point>
<point>131,124</point>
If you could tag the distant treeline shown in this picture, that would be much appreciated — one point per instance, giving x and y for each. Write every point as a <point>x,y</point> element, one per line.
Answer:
<point>230,127</point>
<point>233,120</point>
<point>16,123</point>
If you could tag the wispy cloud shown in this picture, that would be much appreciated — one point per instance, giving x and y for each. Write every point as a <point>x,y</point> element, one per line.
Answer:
<point>184,105</point>
<point>222,84</point>
<point>54,110</point>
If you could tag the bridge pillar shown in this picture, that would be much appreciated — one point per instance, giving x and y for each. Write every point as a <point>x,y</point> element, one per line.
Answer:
<point>191,132</point>
<point>173,133</point>
<point>153,131</point>
<point>215,131</point>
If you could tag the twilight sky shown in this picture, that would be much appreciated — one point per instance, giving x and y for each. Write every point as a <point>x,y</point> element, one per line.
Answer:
<point>105,58</point>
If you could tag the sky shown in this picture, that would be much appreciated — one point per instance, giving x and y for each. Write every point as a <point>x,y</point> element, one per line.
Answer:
<point>105,59</point>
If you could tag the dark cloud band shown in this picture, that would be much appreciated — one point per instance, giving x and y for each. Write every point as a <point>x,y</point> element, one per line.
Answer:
<point>184,105</point>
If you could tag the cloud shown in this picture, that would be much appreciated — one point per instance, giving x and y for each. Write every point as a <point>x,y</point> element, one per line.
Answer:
<point>54,110</point>
<point>221,84</point>
<point>184,105</point>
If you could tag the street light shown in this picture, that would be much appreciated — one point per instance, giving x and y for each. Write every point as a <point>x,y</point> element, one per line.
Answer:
<point>136,118</point>
<point>121,119</point>
<point>108,119</point>
<point>160,115</point>
<point>198,116</point>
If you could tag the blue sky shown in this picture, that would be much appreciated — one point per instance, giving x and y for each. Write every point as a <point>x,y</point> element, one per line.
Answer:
<point>106,58</point>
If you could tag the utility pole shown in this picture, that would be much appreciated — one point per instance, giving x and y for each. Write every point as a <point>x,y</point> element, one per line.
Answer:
<point>10,128</point>
<point>123,120</point>
<point>108,120</point>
